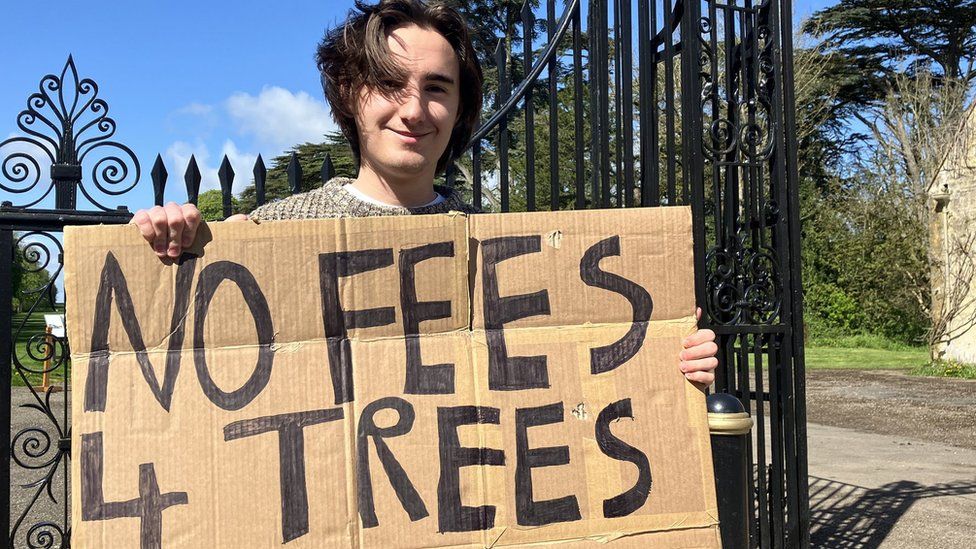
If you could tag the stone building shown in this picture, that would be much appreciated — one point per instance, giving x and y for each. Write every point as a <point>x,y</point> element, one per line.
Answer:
<point>952,234</point>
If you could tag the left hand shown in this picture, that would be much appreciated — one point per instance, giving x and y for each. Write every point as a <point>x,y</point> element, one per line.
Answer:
<point>698,360</point>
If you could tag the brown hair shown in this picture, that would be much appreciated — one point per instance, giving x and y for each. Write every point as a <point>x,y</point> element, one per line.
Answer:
<point>356,55</point>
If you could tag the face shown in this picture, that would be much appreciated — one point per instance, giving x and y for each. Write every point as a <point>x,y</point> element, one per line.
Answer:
<point>403,136</point>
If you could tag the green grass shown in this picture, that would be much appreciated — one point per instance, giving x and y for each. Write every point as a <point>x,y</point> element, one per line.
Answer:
<point>34,325</point>
<point>946,368</point>
<point>860,358</point>
<point>862,341</point>
<point>870,352</point>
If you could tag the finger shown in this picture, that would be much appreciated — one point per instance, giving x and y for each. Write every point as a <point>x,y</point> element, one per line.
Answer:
<point>175,224</point>
<point>704,378</point>
<point>144,224</point>
<point>697,338</point>
<point>705,350</point>
<point>237,217</point>
<point>192,217</point>
<point>157,216</point>
<point>699,365</point>
<point>698,313</point>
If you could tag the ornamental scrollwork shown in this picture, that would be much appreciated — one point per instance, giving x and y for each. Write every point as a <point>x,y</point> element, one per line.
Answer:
<point>46,535</point>
<point>66,126</point>
<point>743,284</point>
<point>42,449</point>
<point>736,86</point>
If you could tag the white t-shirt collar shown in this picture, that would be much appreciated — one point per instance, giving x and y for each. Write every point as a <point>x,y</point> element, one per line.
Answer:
<point>438,198</point>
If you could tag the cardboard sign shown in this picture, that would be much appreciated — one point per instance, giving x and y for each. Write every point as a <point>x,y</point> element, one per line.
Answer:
<point>425,381</point>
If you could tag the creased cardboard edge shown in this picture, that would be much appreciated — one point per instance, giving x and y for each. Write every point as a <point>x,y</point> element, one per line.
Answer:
<point>498,541</point>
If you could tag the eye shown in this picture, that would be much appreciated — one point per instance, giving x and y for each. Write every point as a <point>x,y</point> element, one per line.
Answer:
<point>438,89</point>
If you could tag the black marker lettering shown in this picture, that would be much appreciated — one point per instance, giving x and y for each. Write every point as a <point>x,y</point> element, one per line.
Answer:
<point>605,359</point>
<point>332,266</point>
<point>452,516</point>
<point>631,500</point>
<point>113,284</point>
<point>210,278</point>
<point>291,460</point>
<point>527,511</point>
<point>435,378</point>
<point>148,507</point>
<point>510,373</point>
<point>406,493</point>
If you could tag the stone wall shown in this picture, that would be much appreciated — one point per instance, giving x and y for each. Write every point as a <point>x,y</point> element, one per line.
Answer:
<point>953,239</point>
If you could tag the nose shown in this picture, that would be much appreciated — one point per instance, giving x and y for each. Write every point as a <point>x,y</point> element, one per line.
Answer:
<point>411,108</point>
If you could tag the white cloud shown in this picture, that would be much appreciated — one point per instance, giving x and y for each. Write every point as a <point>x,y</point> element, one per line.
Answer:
<point>272,121</point>
<point>195,109</point>
<point>243,164</point>
<point>195,119</point>
<point>279,118</point>
<point>12,157</point>
<point>178,158</point>
<point>25,147</point>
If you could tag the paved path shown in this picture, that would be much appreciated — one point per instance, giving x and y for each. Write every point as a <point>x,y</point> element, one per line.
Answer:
<point>871,490</point>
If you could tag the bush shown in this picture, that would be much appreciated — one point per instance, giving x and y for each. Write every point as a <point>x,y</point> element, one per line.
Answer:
<point>830,311</point>
<point>946,368</point>
<point>211,205</point>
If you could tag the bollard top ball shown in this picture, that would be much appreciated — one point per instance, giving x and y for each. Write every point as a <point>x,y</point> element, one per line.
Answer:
<point>724,403</point>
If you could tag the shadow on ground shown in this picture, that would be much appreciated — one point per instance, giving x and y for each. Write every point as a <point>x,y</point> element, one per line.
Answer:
<point>846,516</point>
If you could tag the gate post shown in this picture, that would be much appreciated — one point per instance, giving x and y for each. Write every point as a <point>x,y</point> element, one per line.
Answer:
<point>729,425</point>
<point>6,348</point>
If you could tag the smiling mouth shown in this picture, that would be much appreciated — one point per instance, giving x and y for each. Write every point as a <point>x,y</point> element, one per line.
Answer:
<point>410,134</point>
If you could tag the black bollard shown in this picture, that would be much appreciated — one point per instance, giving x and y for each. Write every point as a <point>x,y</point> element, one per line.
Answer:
<point>729,425</point>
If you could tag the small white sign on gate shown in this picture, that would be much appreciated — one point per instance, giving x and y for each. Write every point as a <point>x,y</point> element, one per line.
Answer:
<point>56,323</point>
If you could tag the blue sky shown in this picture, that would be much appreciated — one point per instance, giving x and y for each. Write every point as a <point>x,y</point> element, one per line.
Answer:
<point>204,78</point>
<point>180,77</point>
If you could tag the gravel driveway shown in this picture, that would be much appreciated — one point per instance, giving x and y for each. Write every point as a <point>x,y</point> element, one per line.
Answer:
<point>892,403</point>
<point>33,449</point>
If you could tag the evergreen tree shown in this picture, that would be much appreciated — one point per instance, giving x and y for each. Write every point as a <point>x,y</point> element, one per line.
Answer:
<point>879,39</point>
<point>311,156</point>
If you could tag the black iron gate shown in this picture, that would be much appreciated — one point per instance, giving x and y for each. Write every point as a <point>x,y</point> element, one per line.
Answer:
<point>705,117</point>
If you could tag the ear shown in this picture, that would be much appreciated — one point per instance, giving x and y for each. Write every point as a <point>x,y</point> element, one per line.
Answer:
<point>352,103</point>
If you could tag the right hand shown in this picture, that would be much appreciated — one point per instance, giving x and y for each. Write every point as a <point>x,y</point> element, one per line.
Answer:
<point>171,228</point>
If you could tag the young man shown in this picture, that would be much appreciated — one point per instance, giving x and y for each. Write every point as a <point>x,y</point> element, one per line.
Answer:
<point>405,87</point>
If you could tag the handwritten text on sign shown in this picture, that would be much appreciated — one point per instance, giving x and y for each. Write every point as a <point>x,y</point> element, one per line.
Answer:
<point>414,381</point>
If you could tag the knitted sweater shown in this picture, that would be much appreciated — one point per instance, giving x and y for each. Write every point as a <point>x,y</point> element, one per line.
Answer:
<point>333,200</point>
